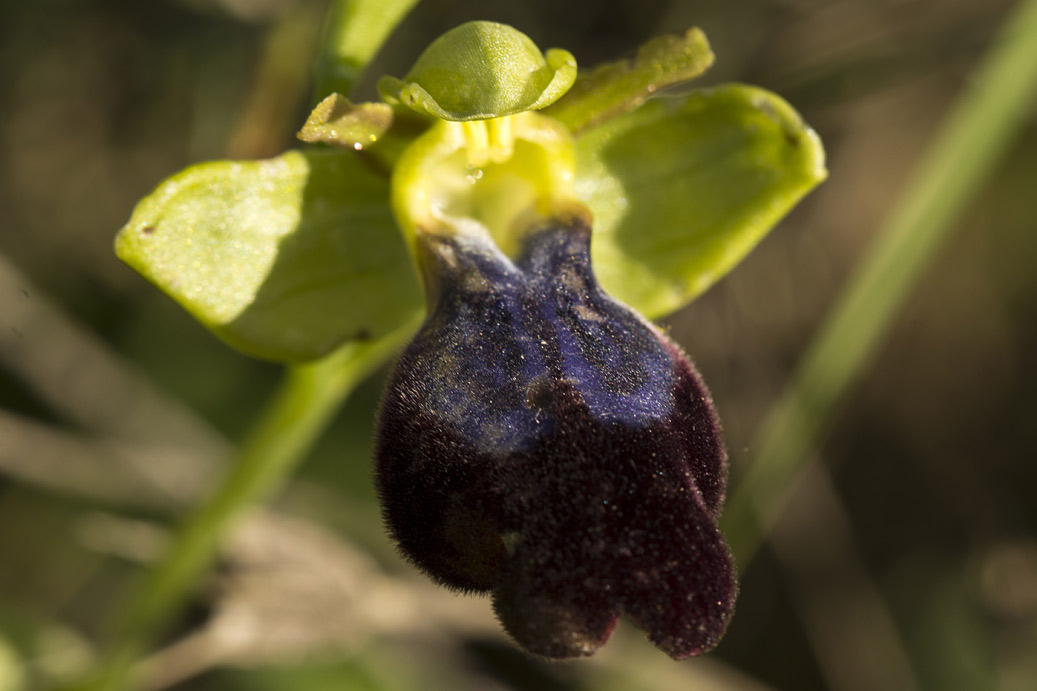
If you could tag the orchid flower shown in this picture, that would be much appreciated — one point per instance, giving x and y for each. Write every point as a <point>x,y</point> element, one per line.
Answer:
<point>539,439</point>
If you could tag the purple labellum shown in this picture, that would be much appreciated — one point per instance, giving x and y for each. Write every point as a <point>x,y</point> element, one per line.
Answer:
<point>540,441</point>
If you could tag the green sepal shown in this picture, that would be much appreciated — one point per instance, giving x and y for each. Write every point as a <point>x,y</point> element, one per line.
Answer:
<point>481,70</point>
<point>618,87</point>
<point>682,189</point>
<point>284,259</point>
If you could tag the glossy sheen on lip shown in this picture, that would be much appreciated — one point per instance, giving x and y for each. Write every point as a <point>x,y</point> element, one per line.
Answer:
<point>543,442</point>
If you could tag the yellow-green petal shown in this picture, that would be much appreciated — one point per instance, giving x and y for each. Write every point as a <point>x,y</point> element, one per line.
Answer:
<point>615,88</point>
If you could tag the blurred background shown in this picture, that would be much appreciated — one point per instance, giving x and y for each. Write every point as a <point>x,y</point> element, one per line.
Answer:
<point>906,560</point>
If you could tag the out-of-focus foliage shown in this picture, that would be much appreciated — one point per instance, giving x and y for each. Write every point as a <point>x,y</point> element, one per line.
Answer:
<point>928,510</point>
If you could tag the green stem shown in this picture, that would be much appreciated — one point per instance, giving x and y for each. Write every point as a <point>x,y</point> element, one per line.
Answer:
<point>355,30</point>
<point>308,398</point>
<point>961,157</point>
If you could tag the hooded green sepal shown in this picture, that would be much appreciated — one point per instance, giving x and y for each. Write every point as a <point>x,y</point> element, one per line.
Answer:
<point>618,87</point>
<point>683,188</point>
<point>284,259</point>
<point>482,70</point>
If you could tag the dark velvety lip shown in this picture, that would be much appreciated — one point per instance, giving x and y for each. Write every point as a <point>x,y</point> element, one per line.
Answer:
<point>542,442</point>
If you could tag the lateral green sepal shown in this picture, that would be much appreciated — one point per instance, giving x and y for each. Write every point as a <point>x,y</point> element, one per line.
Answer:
<point>284,259</point>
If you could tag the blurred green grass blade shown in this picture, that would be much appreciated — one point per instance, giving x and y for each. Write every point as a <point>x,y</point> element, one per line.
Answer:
<point>355,31</point>
<point>961,157</point>
<point>12,675</point>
